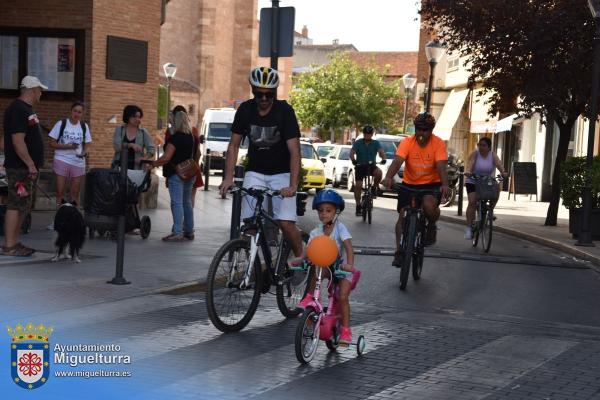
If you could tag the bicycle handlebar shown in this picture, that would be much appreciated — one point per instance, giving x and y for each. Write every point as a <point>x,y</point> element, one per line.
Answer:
<point>474,176</point>
<point>254,192</point>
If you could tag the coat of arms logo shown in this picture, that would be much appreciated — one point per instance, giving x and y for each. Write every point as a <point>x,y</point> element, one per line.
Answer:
<point>30,355</point>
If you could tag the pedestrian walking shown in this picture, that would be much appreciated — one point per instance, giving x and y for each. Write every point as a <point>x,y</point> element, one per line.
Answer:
<point>24,155</point>
<point>140,145</point>
<point>70,140</point>
<point>179,148</point>
<point>273,151</point>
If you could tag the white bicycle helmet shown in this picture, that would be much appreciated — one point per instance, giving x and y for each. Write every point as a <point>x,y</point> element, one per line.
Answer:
<point>264,77</point>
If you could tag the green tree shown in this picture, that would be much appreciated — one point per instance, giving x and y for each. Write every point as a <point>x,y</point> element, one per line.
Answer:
<point>343,94</point>
<point>538,51</point>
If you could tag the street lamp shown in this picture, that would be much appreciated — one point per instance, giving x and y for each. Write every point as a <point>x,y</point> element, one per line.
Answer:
<point>585,234</point>
<point>408,80</point>
<point>434,52</point>
<point>170,71</point>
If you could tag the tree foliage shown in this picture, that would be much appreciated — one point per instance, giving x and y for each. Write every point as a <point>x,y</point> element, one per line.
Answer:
<point>538,51</point>
<point>343,94</point>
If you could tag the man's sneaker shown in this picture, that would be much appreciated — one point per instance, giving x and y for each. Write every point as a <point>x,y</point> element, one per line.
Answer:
<point>305,302</point>
<point>345,336</point>
<point>468,234</point>
<point>431,235</point>
<point>398,257</point>
<point>358,211</point>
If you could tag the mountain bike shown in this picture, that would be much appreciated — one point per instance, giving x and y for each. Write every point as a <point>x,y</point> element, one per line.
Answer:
<point>236,277</point>
<point>412,241</point>
<point>486,187</point>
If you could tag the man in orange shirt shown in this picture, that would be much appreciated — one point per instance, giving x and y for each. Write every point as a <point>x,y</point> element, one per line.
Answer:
<point>426,158</point>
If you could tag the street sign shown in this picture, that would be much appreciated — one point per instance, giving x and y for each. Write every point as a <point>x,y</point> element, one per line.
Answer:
<point>286,32</point>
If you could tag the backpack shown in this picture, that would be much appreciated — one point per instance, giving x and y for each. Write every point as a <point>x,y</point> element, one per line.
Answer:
<point>63,124</point>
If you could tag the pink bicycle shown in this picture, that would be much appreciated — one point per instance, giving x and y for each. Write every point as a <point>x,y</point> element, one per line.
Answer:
<point>323,323</point>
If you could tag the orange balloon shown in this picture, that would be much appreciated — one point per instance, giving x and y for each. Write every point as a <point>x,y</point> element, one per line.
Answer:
<point>322,251</point>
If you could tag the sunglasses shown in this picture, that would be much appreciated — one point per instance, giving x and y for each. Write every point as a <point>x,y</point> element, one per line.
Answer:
<point>422,129</point>
<point>267,95</point>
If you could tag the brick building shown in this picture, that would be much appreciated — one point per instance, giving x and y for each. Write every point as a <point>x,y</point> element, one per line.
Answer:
<point>71,39</point>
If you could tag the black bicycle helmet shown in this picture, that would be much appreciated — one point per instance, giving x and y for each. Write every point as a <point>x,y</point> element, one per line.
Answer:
<point>368,129</point>
<point>424,120</point>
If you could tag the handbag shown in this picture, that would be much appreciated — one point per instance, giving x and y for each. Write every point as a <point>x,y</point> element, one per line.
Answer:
<point>187,169</point>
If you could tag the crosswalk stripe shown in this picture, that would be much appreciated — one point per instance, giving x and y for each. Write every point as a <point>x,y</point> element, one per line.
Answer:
<point>269,370</point>
<point>482,370</point>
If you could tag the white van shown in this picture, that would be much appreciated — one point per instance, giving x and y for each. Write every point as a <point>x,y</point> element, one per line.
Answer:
<point>216,133</point>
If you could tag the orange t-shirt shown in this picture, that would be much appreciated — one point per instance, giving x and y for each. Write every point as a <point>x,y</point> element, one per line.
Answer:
<point>419,162</point>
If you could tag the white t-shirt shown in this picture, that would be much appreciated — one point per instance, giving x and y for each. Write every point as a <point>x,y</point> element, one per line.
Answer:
<point>71,134</point>
<point>339,234</point>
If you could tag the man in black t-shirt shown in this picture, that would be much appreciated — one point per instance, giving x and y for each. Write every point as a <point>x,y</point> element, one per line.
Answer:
<point>23,156</point>
<point>273,151</point>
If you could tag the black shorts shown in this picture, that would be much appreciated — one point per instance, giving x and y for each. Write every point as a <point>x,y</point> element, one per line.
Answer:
<point>470,187</point>
<point>362,170</point>
<point>404,195</point>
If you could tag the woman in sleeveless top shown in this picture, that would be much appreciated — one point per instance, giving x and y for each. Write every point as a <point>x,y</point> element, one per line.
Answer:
<point>482,161</point>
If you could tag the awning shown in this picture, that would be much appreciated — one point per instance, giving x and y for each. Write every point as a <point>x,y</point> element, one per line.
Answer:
<point>505,124</point>
<point>481,122</point>
<point>450,113</point>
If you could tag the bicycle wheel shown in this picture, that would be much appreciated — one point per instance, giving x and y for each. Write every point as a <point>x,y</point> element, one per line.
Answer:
<point>486,231</point>
<point>364,204</point>
<point>229,306</point>
<point>307,336</point>
<point>292,285</point>
<point>417,259</point>
<point>475,238</point>
<point>408,243</point>
<point>370,210</point>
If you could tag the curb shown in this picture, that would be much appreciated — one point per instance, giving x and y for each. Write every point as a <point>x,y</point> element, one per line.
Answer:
<point>595,260</point>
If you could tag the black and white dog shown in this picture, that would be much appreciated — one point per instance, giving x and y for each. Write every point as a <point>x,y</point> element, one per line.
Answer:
<point>70,227</point>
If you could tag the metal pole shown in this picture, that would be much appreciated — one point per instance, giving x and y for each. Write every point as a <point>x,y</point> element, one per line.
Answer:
<point>236,205</point>
<point>430,87</point>
<point>119,279</point>
<point>406,96</point>
<point>461,183</point>
<point>168,98</point>
<point>585,233</point>
<point>275,34</point>
<point>206,169</point>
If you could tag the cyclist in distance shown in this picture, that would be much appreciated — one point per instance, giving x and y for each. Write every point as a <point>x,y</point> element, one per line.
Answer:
<point>482,161</point>
<point>426,158</point>
<point>364,151</point>
<point>273,151</point>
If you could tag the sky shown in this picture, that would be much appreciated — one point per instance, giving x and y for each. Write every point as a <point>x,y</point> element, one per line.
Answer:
<point>370,25</point>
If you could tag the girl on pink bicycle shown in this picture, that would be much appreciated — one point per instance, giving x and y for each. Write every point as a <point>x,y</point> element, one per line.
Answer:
<point>329,204</point>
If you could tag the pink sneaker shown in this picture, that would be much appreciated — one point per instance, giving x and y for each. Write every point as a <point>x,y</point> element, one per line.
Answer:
<point>305,302</point>
<point>345,335</point>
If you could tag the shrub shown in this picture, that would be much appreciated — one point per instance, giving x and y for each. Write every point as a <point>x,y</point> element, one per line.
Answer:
<point>572,181</point>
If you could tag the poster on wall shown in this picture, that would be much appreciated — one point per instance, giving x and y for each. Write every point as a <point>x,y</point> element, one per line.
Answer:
<point>9,62</point>
<point>53,61</point>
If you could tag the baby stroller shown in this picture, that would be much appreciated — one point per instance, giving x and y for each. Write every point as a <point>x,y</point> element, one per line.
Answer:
<point>106,198</point>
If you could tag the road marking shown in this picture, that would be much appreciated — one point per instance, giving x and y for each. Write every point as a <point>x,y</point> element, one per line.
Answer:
<point>481,371</point>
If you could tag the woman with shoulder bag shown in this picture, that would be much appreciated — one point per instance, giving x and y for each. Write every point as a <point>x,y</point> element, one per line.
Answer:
<point>180,169</point>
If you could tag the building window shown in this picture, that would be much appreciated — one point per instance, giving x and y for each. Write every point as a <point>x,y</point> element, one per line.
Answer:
<point>453,63</point>
<point>55,56</point>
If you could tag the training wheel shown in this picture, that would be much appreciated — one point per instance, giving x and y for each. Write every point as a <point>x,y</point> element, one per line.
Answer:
<point>360,345</point>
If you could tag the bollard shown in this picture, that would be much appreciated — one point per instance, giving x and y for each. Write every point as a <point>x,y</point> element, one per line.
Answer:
<point>461,183</point>
<point>206,168</point>
<point>236,205</point>
<point>119,279</point>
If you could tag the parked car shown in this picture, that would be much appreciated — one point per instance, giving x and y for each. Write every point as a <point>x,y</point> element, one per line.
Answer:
<point>314,167</point>
<point>323,149</point>
<point>215,131</point>
<point>389,144</point>
<point>338,164</point>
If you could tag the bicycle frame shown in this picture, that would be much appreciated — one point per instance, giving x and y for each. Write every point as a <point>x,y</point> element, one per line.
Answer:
<point>259,238</point>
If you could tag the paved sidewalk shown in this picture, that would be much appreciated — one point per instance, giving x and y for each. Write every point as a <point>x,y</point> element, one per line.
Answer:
<point>525,218</point>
